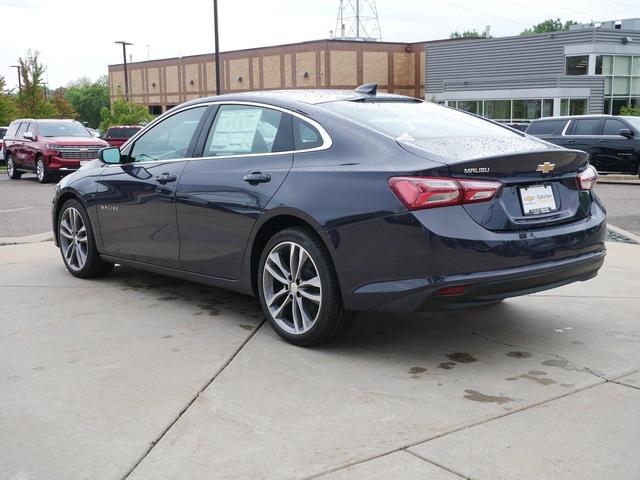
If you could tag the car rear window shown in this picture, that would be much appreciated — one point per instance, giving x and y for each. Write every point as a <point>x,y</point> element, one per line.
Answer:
<point>122,132</point>
<point>63,129</point>
<point>417,120</point>
<point>546,127</point>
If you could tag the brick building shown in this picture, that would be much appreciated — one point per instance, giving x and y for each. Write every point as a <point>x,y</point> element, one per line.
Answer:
<point>161,84</point>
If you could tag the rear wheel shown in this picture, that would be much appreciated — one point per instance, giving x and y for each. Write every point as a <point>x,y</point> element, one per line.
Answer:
<point>77,244</point>
<point>42,172</point>
<point>298,289</point>
<point>11,169</point>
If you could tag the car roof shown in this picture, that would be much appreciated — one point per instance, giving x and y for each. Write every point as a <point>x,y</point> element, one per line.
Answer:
<point>301,96</point>
<point>572,117</point>
<point>125,126</point>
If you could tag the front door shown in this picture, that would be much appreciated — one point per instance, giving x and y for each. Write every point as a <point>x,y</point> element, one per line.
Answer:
<point>246,157</point>
<point>616,153</point>
<point>136,199</point>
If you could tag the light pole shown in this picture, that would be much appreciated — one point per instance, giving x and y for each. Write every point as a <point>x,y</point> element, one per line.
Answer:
<point>126,74</point>
<point>19,68</point>
<point>217,53</point>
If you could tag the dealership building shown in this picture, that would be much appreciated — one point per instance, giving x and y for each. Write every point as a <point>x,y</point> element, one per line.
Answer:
<point>161,84</point>
<point>588,69</point>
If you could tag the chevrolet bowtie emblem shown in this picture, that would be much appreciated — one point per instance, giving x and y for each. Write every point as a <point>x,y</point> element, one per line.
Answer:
<point>545,167</point>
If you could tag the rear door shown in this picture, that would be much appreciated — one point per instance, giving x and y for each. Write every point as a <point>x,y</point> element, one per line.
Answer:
<point>584,134</point>
<point>615,152</point>
<point>136,200</point>
<point>17,148</point>
<point>246,155</point>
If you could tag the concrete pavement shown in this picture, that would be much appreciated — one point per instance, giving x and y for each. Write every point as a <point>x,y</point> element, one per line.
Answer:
<point>144,377</point>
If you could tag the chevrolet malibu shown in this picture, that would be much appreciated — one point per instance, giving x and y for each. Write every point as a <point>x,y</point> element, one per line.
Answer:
<point>321,203</point>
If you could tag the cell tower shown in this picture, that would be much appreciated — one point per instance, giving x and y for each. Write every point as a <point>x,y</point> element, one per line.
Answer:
<point>358,20</point>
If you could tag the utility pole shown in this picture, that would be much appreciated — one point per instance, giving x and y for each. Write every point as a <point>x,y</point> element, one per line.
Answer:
<point>357,18</point>
<point>126,73</point>
<point>217,45</point>
<point>19,68</point>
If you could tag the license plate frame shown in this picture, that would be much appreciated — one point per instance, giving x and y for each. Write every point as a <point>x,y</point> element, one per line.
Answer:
<point>538,199</point>
<point>84,162</point>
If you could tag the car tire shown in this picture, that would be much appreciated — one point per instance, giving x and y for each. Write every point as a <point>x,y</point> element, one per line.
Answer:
<point>11,169</point>
<point>308,310</point>
<point>77,242</point>
<point>42,172</point>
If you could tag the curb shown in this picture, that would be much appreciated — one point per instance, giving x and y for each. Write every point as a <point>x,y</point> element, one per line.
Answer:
<point>37,238</point>
<point>624,233</point>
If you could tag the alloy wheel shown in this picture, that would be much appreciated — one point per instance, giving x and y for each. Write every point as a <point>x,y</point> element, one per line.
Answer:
<point>292,288</point>
<point>40,170</point>
<point>73,239</point>
<point>10,167</point>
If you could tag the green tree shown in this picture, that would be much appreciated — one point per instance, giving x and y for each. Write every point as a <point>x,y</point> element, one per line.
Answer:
<point>124,113</point>
<point>32,101</point>
<point>469,34</point>
<point>63,108</point>
<point>550,25</point>
<point>88,99</point>
<point>8,104</point>
<point>630,111</point>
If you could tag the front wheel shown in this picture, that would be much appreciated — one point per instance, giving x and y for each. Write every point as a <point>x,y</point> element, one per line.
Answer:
<point>298,288</point>
<point>42,172</point>
<point>77,244</point>
<point>11,169</point>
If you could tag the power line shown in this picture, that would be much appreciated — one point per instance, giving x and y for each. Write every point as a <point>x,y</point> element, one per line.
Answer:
<point>480,12</point>
<point>569,9</point>
<point>526,7</point>
<point>624,4</point>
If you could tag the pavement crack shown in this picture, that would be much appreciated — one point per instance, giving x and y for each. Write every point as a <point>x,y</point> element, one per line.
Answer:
<point>192,400</point>
<point>549,354</point>
<point>439,465</point>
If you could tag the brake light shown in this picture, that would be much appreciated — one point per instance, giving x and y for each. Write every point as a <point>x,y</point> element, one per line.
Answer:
<point>430,192</point>
<point>587,178</point>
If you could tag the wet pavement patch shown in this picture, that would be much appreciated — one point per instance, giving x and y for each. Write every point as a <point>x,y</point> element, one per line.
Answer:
<point>519,354</point>
<point>417,370</point>
<point>461,357</point>
<point>447,365</point>
<point>539,380</point>
<point>563,364</point>
<point>476,396</point>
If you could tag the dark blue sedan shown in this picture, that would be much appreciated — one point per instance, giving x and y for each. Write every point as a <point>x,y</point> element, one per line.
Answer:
<point>325,202</point>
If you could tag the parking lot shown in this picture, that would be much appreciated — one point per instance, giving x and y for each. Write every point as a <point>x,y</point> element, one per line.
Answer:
<point>145,377</point>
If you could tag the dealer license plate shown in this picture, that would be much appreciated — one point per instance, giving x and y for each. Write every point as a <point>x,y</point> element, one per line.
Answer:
<point>84,162</point>
<point>537,199</point>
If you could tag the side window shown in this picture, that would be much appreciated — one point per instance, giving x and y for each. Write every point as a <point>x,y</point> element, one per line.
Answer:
<point>546,127</point>
<point>245,130</point>
<point>169,139</point>
<point>305,135</point>
<point>586,126</point>
<point>13,130</point>
<point>612,126</point>
<point>22,129</point>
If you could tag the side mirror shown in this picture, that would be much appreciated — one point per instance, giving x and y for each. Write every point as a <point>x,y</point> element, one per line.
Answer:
<point>626,132</point>
<point>110,155</point>
<point>29,135</point>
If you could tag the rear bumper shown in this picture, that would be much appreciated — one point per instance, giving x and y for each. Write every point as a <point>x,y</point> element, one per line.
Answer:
<point>488,287</point>
<point>400,262</point>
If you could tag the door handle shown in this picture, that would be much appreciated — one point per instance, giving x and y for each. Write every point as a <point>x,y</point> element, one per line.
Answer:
<point>257,177</point>
<point>571,141</point>
<point>165,178</point>
<point>602,141</point>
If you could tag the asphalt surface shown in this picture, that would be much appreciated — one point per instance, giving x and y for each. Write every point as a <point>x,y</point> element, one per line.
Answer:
<point>25,206</point>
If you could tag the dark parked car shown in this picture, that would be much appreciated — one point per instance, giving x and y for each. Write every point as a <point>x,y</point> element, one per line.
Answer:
<point>613,143</point>
<point>322,202</point>
<point>48,148</point>
<point>117,135</point>
<point>3,131</point>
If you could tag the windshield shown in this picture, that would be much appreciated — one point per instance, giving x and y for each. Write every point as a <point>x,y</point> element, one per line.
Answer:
<point>122,132</point>
<point>63,129</point>
<point>634,121</point>
<point>417,121</point>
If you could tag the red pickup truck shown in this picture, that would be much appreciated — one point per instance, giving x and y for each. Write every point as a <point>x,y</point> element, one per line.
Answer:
<point>48,148</point>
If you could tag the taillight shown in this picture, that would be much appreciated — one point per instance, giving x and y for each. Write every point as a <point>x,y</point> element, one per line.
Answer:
<point>587,178</point>
<point>429,192</point>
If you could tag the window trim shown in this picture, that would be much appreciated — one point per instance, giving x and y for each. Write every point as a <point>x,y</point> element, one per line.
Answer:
<point>327,142</point>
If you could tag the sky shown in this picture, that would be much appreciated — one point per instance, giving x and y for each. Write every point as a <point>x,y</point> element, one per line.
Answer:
<point>75,37</point>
